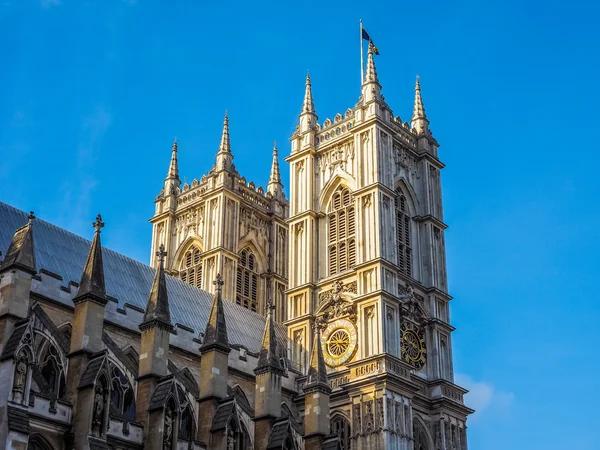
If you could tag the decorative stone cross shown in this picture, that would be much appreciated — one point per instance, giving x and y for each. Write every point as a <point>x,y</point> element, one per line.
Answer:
<point>30,217</point>
<point>270,305</point>
<point>161,254</point>
<point>219,282</point>
<point>98,224</point>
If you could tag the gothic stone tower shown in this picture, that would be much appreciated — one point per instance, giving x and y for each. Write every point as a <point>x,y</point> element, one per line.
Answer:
<point>367,264</point>
<point>222,224</point>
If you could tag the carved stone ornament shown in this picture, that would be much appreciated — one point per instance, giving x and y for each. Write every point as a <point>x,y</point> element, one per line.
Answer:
<point>412,306</point>
<point>20,379</point>
<point>379,414</point>
<point>168,429</point>
<point>356,420</point>
<point>99,409</point>
<point>369,417</point>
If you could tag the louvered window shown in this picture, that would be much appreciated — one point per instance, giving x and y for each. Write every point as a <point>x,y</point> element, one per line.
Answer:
<point>341,247</point>
<point>403,235</point>
<point>247,281</point>
<point>191,267</point>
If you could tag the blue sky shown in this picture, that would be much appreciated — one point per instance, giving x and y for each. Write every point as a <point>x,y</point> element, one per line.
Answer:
<point>92,94</point>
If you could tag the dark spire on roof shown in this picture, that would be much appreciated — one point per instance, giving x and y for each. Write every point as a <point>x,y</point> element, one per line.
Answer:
<point>215,335</point>
<point>317,372</point>
<point>268,360</point>
<point>21,254</point>
<point>92,279</point>
<point>157,310</point>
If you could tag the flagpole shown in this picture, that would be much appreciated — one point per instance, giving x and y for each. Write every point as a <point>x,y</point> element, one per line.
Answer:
<point>362,64</point>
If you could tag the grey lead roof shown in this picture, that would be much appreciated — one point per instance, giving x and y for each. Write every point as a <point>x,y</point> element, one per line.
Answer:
<point>128,281</point>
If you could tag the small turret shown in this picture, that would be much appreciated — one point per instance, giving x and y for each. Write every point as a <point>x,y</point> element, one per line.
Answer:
<point>316,397</point>
<point>156,331</point>
<point>214,364</point>
<point>20,254</point>
<point>268,372</point>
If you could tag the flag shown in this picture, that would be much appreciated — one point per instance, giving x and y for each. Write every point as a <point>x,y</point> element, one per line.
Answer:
<point>366,37</point>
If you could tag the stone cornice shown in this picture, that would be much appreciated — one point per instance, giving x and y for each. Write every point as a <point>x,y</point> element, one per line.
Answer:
<point>431,219</point>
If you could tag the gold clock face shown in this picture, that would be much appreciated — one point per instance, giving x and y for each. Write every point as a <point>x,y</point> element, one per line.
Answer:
<point>339,342</point>
<point>413,347</point>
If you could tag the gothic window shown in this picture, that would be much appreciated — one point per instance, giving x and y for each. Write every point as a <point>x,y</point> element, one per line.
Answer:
<point>341,426</point>
<point>66,330</point>
<point>247,280</point>
<point>341,242</point>
<point>122,397</point>
<point>52,370</point>
<point>186,425</point>
<point>38,442</point>
<point>420,436</point>
<point>237,437</point>
<point>190,270</point>
<point>403,234</point>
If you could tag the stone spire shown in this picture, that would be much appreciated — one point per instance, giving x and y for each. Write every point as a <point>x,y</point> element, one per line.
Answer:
<point>371,75</point>
<point>215,336</point>
<point>268,360</point>
<point>308,117</point>
<point>316,397</point>
<point>419,120</point>
<point>21,253</point>
<point>317,372</point>
<point>308,106</point>
<point>173,173</point>
<point>274,186</point>
<point>157,310</point>
<point>224,156</point>
<point>371,89</point>
<point>92,285</point>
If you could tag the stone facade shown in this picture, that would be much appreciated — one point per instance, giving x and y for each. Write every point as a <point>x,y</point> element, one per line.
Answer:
<point>262,323</point>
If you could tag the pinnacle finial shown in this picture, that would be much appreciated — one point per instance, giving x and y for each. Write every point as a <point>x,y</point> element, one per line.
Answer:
<point>30,217</point>
<point>98,224</point>
<point>225,146</point>
<point>92,284</point>
<point>275,178</point>
<point>219,282</point>
<point>419,119</point>
<point>268,360</point>
<point>173,173</point>
<point>308,105</point>
<point>371,75</point>
<point>161,254</point>
<point>317,372</point>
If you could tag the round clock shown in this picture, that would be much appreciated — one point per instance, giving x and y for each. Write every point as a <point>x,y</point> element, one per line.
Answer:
<point>339,342</point>
<point>413,347</point>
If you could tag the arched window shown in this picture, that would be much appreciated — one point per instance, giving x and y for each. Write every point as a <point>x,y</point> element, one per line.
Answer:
<point>341,426</point>
<point>403,234</point>
<point>341,241</point>
<point>247,280</point>
<point>237,436</point>
<point>186,425</point>
<point>38,442</point>
<point>190,269</point>
<point>122,397</point>
<point>52,370</point>
<point>421,440</point>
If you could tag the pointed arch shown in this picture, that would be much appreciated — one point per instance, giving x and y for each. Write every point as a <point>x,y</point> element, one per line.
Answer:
<point>407,236</point>
<point>188,261</point>
<point>248,278</point>
<point>340,426</point>
<point>422,438</point>
<point>341,230</point>
<point>250,241</point>
<point>403,185</point>
<point>339,178</point>
<point>38,442</point>
<point>190,241</point>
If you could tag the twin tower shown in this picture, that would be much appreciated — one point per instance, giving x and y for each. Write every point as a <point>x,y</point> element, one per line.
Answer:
<point>357,252</point>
